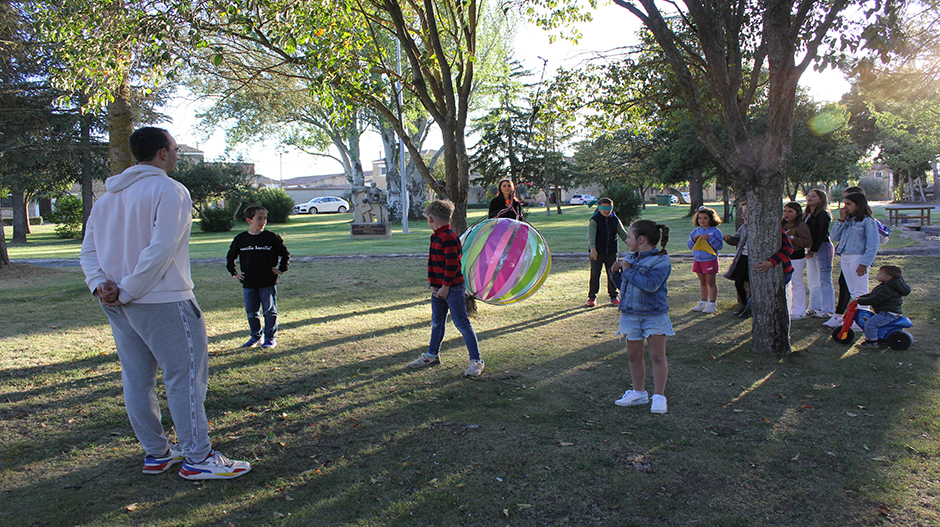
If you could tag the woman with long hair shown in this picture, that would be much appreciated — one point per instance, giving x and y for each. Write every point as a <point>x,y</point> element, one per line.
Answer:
<point>857,240</point>
<point>506,204</point>
<point>801,238</point>
<point>819,255</point>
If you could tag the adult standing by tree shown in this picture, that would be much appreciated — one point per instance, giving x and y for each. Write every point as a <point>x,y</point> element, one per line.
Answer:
<point>136,261</point>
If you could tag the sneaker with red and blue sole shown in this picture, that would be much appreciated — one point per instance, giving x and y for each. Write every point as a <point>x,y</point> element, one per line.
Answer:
<point>159,465</point>
<point>216,466</point>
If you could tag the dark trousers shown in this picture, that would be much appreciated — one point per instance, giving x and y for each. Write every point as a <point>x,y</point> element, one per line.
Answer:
<point>844,295</point>
<point>603,261</point>
<point>741,279</point>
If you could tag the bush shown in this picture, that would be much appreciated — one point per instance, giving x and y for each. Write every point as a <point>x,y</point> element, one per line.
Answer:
<point>67,215</point>
<point>217,220</point>
<point>627,202</point>
<point>874,188</point>
<point>35,220</point>
<point>278,203</point>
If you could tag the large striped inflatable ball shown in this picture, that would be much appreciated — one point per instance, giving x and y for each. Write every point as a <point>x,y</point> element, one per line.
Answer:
<point>504,260</point>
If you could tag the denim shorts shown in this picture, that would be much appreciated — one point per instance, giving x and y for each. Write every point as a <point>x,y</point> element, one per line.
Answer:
<point>638,327</point>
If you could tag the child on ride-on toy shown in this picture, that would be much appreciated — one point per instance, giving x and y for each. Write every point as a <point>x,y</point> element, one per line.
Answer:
<point>885,300</point>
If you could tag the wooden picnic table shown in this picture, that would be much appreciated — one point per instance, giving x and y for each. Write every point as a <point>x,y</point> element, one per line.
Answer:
<point>921,213</point>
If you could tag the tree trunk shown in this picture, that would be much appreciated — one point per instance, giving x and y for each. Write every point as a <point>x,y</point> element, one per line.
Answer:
<point>4,255</point>
<point>771,325</point>
<point>696,190</point>
<point>20,216</point>
<point>120,128</point>
<point>87,181</point>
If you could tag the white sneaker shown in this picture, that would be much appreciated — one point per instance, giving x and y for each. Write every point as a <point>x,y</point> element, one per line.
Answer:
<point>659,404</point>
<point>474,369</point>
<point>700,306</point>
<point>633,398</point>
<point>834,322</point>
<point>710,307</point>
<point>216,466</point>
<point>797,317</point>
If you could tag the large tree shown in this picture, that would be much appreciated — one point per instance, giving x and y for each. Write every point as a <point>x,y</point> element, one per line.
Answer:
<point>739,47</point>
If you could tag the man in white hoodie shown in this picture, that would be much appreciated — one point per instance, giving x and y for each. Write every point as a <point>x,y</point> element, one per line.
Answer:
<point>135,256</point>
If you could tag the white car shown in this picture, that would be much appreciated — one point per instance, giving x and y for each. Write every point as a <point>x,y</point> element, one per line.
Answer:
<point>685,195</point>
<point>323,204</point>
<point>582,199</point>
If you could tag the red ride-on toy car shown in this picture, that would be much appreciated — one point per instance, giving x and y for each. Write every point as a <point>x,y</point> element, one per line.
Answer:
<point>893,334</point>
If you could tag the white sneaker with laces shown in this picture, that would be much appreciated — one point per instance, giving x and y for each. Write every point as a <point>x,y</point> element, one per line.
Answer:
<point>474,369</point>
<point>659,404</point>
<point>833,322</point>
<point>633,398</point>
<point>216,466</point>
<point>700,306</point>
<point>710,307</point>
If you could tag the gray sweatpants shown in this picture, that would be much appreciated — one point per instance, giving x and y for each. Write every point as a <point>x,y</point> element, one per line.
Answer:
<point>170,336</point>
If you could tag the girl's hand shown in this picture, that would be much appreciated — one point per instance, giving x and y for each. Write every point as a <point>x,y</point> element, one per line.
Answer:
<point>727,237</point>
<point>625,265</point>
<point>810,254</point>
<point>696,237</point>
<point>861,270</point>
<point>843,214</point>
<point>763,266</point>
<point>617,266</point>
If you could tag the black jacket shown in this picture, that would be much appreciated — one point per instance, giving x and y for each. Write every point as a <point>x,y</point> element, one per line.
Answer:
<point>498,204</point>
<point>888,296</point>
<point>818,229</point>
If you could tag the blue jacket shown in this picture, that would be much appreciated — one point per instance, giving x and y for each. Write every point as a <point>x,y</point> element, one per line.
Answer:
<point>643,286</point>
<point>714,239</point>
<point>856,237</point>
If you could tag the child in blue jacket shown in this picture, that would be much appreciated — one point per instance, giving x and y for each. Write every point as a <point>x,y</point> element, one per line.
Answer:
<point>705,264</point>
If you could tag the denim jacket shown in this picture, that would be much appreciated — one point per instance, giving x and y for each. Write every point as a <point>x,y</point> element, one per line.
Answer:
<point>857,237</point>
<point>643,286</point>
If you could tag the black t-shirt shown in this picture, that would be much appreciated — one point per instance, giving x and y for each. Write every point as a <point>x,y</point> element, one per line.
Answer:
<point>257,254</point>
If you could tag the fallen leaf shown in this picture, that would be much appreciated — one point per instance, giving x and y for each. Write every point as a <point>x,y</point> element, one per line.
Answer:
<point>506,513</point>
<point>850,414</point>
<point>288,498</point>
<point>523,506</point>
<point>278,514</point>
<point>131,507</point>
<point>765,420</point>
<point>880,458</point>
<point>565,443</point>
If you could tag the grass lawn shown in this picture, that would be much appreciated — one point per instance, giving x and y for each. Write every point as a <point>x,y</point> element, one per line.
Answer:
<point>328,234</point>
<point>340,432</point>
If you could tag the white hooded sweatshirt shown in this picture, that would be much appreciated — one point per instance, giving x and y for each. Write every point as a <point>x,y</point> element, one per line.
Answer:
<point>138,237</point>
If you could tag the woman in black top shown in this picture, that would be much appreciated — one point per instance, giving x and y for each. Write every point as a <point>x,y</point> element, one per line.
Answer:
<point>819,256</point>
<point>505,204</point>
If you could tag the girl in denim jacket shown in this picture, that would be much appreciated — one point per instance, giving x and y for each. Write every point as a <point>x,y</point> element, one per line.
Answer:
<point>856,237</point>
<point>644,311</point>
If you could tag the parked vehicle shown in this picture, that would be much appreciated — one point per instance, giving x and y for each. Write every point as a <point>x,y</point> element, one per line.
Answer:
<point>322,204</point>
<point>582,199</point>
<point>685,195</point>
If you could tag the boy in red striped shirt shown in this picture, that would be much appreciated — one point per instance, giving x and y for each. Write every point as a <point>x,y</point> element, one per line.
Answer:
<point>447,289</point>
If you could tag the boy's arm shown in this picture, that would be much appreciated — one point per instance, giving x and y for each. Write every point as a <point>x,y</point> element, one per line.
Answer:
<point>231,257</point>
<point>621,231</point>
<point>283,253</point>
<point>592,233</point>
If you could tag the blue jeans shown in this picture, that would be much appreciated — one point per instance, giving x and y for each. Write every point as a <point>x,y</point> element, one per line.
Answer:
<point>457,305</point>
<point>876,322</point>
<point>262,301</point>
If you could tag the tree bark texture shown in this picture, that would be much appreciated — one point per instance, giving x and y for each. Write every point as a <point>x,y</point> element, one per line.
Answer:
<point>120,128</point>
<point>20,215</point>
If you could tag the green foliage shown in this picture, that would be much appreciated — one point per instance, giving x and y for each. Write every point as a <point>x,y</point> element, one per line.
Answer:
<point>212,182</point>
<point>875,188</point>
<point>276,200</point>
<point>217,219</point>
<point>67,216</point>
<point>628,202</point>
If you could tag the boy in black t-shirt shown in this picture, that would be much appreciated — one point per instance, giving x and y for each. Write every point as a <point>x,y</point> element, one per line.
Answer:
<point>258,252</point>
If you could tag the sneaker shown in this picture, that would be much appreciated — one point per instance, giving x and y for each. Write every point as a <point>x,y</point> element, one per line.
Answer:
<point>269,344</point>
<point>869,344</point>
<point>797,317</point>
<point>216,466</point>
<point>738,309</point>
<point>710,307</point>
<point>659,404</point>
<point>811,313</point>
<point>700,306</point>
<point>632,398</point>
<point>834,322</point>
<point>591,302</point>
<point>159,465</point>
<point>424,360</point>
<point>252,342</point>
<point>475,369</point>
<point>821,314</point>
<point>745,313</point>
<point>615,301</point>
